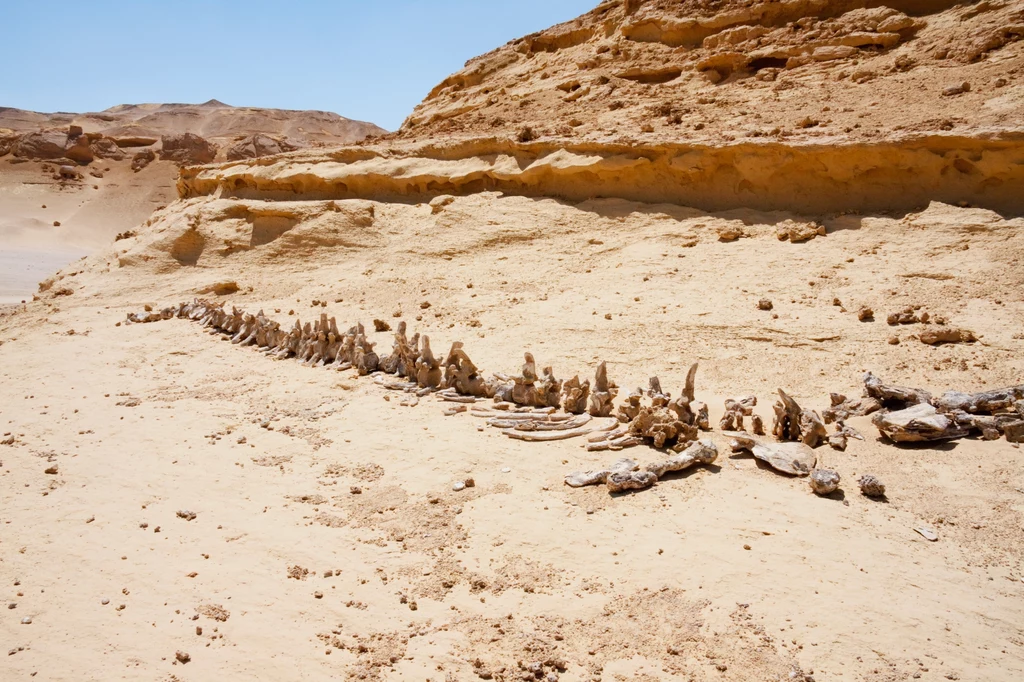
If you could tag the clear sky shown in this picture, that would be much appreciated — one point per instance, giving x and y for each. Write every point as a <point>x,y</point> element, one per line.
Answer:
<point>371,60</point>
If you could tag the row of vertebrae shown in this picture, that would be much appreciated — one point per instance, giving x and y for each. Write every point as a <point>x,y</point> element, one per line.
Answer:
<point>322,344</point>
<point>317,344</point>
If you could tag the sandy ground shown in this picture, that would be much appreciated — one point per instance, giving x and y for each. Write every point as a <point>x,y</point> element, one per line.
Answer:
<point>727,572</point>
<point>90,214</point>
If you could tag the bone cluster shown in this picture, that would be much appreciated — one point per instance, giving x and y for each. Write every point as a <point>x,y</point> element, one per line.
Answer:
<point>322,343</point>
<point>536,406</point>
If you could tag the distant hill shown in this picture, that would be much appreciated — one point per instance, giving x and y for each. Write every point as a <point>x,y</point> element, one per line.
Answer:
<point>70,182</point>
<point>219,123</point>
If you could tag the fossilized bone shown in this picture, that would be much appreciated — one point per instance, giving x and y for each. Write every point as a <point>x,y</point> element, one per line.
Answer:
<point>738,408</point>
<point>838,440</point>
<point>793,423</point>
<point>621,481</point>
<point>917,423</point>
<point>603,393</point>
<point>659,398</point>
<point>364,359</point>
<point>533,390</point>
<point>701,452</point>
<point>462,375</point>
<point>541,436</point>
<point>578,479</point>
<point>629,410</point>
<point>988,402</point>
<point>843,408</point>
<point>662,427</point>
<point>687,408</point>
<point>794,458</point>
<point>575,395</point>
<point>894,396</point>
<point>428,368</point>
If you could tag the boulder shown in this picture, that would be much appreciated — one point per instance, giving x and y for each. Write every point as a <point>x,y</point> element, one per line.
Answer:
<point>7,143</point>
<point>78,149</point>
<point>48,144</point>
<point>106,148</point>
<point>187,149</point>
<point>259,145</point>
<point>142,159</point>
<point>824,481</point>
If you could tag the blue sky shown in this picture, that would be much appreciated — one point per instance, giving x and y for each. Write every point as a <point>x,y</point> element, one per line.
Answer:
<point>364,59</point>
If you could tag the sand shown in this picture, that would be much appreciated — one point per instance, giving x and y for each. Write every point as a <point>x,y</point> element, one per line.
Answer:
<point>142,421</point>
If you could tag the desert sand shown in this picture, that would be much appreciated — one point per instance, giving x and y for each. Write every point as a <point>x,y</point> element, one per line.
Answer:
<point>179,507</point>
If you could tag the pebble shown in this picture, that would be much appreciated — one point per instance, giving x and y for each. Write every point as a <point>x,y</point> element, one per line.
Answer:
<point>12,605</point>
<point>506,470</point>
<point>26,621</point>
<point>104,601</point>
<point>182,656</point>
<point>318,595</point>
<point>458,486</point>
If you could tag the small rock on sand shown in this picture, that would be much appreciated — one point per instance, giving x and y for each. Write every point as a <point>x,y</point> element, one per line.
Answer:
<point>871,486</point>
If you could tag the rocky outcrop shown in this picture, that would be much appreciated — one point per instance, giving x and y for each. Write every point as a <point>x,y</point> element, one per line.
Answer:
<point>692,70</point>
<point>143,159</point>
<point>71,144</point>
<point>257,146</point>
<point>78,149</point>
<point>765,175</point>
<point>7,143</point>
<point>48,144</point>
<point>106,148</point>
<point>187,149</point>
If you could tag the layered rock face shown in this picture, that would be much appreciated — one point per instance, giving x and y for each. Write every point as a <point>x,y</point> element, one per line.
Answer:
<point>698,71</point>
<point>803,105</point>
